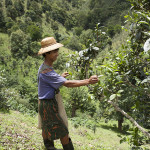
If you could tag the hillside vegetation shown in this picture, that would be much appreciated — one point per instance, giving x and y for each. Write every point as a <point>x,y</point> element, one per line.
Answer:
<point>109,38</point>
<point>24,134</point>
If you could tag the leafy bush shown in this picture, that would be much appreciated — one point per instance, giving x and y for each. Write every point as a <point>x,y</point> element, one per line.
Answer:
<point>3,103</point>
<point>14,101</point>
<point>135,139</point>
<point>84,120</point>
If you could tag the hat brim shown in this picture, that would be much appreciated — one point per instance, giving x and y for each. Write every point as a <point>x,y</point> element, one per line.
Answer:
<point>50,48</point>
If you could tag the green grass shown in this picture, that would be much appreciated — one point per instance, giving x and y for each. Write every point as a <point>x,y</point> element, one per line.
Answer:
<point>18,131</point>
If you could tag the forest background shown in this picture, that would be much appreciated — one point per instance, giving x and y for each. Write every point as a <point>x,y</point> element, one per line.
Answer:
<point>109,38</point>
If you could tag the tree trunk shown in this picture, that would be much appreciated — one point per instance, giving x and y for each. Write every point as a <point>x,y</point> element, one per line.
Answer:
<point>130,118</point>
<point>73,111</point>
<point>120,122</point>
<point>74,108</point>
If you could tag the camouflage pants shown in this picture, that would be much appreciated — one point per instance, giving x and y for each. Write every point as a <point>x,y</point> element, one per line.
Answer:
<point>52,124</point>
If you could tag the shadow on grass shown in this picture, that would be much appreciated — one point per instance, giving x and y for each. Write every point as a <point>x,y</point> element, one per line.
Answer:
<point>114,129</point>
<point>4,111</point>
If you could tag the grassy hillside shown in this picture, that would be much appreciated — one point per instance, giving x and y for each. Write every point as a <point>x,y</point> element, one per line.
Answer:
<point>18,131</point>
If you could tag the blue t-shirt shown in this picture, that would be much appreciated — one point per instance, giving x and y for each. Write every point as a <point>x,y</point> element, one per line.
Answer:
<point>48,83</point>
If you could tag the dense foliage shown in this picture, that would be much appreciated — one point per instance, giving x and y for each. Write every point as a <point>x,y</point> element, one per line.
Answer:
<point>126,73</point>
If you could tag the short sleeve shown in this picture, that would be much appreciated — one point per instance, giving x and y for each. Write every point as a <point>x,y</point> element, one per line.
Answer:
<point>53,79</point>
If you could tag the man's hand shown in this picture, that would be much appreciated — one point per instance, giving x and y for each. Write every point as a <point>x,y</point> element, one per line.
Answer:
<point>65,74</point>
<point>93,79</point>
<point>78,83</point>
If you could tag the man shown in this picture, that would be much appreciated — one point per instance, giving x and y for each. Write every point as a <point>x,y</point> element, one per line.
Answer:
<point>49,81</point>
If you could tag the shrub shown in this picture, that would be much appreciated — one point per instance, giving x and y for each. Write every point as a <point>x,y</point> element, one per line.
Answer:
<point>3,104</point>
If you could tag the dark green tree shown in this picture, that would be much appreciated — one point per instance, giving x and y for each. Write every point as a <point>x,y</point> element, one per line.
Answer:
<point>20,44</point>
<point>2,20</point>
<point>9,23</point>
<point>46,6</point>
<point>1,4</point>
<point>8,3</point>
<point>35,32</point>
<point>11,12</point>
<point>31,14</point>
<point>79,101</point>
<point>34,11</point>
<point>36,7</point>
<point>58,14</point>
<point>19,6</point>
<point>70,20</point>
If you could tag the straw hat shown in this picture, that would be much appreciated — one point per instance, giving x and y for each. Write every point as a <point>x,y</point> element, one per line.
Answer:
<point>48,44</point>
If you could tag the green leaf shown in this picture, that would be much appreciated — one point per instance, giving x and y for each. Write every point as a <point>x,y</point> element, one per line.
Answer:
<point>144,22</point>
<point>146,80</point>
<point>120,91</point>
<point>142,14</point>
<point>119,95</point>
<point>126,16</point>
<point>146,33</point>
<point>70,73</point>
<point>147,45</point>
<point>100,76</point>
<point>113,96</point>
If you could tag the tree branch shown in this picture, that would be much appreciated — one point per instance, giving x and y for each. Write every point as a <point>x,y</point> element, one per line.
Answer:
<point>130,118</point>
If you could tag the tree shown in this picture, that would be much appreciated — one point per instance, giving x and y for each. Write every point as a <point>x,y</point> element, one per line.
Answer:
<point>34,11</point>
<point>11,12</point>
<point>74,44</point>
<point>35,32</point>
<point>76,3</point>
<point>9,22</point>
<point>8,3</point>
<point>126,73</point>
<point>58,14</point>
<point>36,7</point>
<point>2,20</point>
<point>70,21</point>
<point>78,97</point>
<point>103,10</point>
<point>80,63</point>
<point>1,5</point>
<point>19,6</point>
<point>31,14</point>
<point>20,44</point>
<point>85,36</point>
<point>46,6</point>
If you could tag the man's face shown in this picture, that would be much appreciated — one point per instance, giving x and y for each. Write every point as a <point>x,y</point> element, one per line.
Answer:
<point>53,55</point>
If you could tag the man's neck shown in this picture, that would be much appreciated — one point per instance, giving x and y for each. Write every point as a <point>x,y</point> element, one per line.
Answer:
<point>48,62</point>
